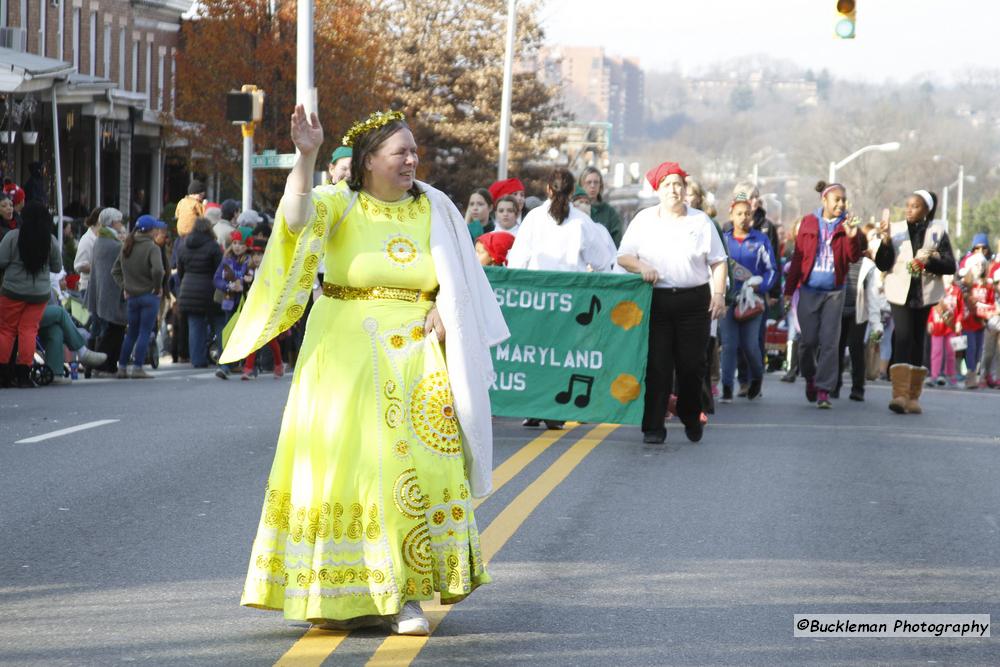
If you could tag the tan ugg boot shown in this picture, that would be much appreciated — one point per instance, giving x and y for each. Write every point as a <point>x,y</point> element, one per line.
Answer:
<point>899,374</point>
<point>917,376</point>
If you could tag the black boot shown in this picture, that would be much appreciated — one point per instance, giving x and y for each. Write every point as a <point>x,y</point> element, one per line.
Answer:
<point>22,377</point>
<point>6,376</point>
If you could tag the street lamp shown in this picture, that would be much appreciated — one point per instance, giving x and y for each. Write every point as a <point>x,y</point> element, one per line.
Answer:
<point>890,147</point>
<point>961,192</point>
<point>758,165</point>
<point>508,85</point>
<point>944,203</point>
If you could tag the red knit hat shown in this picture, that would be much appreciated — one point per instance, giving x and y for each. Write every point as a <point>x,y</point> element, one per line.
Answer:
<point>14,191</point>
<point>505,187</point>
<point>497,244</point>
<point>656,175</point>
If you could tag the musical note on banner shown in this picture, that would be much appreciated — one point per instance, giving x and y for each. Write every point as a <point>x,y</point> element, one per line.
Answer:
<point>581,401</point>
<point>586,318</point>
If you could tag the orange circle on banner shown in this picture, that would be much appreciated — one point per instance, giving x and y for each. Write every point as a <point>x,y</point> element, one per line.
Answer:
<point>625,388</point>
<point>627,315</point>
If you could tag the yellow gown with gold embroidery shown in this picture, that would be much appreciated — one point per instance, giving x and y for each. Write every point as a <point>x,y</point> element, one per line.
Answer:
<point>367,504</point>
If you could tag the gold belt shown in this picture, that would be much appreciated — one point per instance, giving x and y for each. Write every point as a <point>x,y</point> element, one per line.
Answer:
<point>345,293</point>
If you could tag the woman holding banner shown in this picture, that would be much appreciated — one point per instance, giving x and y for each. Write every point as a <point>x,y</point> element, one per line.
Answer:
<point>679,251</point>
<point>383,444</point>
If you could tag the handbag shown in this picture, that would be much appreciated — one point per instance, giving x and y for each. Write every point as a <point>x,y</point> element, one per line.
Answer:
<point>748,304</point>
<point>873,359</point>
<point>959,343</point>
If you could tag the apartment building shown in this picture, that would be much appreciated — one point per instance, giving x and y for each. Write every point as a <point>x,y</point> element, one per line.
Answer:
<point>104,70</point>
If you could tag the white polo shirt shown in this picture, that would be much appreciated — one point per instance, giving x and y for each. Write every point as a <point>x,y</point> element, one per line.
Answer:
<point>681,250</point>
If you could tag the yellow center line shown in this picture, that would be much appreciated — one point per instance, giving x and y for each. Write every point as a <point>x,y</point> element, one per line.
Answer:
<point>316,644</point>
<point>400,651</point>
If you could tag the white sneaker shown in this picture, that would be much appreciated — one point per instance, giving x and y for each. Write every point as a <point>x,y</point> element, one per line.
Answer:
<point>91,359</point>
<point>411,621</point>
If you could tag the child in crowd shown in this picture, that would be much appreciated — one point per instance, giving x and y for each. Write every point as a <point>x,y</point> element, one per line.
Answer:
<point>506,215</point>
<point>249,373</point>
<point>492,248</point>
<point>478,212</point>
<point>979,301</point>
<point>943,323</point>
<point>231,283</point>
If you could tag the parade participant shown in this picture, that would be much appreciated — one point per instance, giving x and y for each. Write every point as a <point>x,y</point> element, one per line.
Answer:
<point>862,317</point>
<point>556,236</point>
<point>506,216</point>
<point>979,305</point>
<point>27,255</point>
<point>980,246</point>
<point>678,250</point>
<point>232,279</point>
<point>478,212</point>
<point>492,248</point>
<point>190,208</point>
<point>139,272</point>
<point>824,248</point>
<point>197,259</point>
<point>104,296</point>
<point>513,188</point>
<point>340,165</point>
<point>753,256</point>
<point>991,340</point>
<point>944,323</point>
<point>914,254</point>
<point>601,212</point>
<point>257,248</point>
<point>383,444</point>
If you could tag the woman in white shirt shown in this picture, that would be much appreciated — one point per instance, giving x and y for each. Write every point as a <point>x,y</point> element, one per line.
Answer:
<point>557,236</point>
<point>677,249</point>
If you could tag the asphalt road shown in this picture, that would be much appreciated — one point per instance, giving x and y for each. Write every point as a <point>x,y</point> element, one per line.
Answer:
<point>128,541</point>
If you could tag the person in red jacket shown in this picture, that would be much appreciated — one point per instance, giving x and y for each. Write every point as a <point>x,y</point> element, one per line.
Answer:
<point>943,323</point>
<point>824,249</point>
<point>979,307</point>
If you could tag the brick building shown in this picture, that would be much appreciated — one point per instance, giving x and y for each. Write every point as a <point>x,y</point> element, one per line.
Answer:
<point>109,64</point>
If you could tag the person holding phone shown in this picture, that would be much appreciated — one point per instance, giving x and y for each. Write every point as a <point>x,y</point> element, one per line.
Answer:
<point>915,254</point>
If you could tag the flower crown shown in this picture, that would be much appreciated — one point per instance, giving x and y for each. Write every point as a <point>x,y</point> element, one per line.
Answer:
<point>376,120</point>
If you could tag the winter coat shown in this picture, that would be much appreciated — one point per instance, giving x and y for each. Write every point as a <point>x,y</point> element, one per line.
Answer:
<point>846,251</point>
<point>104,297</point>
<point>18,283</point>
<point>197,260</point>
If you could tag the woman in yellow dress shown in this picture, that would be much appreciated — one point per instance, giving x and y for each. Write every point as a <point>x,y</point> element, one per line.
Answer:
<point>383,445</point>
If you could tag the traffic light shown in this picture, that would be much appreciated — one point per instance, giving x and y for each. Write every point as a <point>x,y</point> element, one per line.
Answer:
<point>245,106</point>
<point>846,11</point>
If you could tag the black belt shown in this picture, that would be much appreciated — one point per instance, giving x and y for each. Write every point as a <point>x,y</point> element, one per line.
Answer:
<point>680,290</point>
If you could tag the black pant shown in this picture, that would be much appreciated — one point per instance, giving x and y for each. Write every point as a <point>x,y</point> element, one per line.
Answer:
<point>852,335</point>
<point>679,327</point>
<point>707,400</point>
<point>110,343</point>
<point>910,328</point>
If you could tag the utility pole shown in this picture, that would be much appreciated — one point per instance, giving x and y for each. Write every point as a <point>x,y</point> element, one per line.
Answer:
<point>508,84</point>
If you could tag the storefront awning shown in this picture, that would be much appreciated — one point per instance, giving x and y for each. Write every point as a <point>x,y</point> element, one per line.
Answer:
<point>26,72</point>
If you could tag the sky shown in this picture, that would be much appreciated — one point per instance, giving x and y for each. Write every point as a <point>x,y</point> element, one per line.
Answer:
<point>896,39</point>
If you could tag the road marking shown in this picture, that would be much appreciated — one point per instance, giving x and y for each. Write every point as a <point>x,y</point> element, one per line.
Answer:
<point>399,650</point>
<point>316,645</point>
<point>66,431</point>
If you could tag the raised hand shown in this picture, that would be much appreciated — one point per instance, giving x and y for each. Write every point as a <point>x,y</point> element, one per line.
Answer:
<point>883,225</point>
<point>307,133</point>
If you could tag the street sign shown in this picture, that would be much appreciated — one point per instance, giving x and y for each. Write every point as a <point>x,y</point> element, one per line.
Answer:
<point>273,160</point>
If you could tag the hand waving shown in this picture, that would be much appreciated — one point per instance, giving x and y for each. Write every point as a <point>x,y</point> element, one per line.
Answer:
<point>307,133</point>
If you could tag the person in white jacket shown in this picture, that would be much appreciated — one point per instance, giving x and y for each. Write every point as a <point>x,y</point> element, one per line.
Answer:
<point>557,236</point>
<point>85,250</point>
<point>862,319</point>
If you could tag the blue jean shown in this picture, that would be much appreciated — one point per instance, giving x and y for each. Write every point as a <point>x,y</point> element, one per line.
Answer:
<point>975,349</point>
<point>740,336</point>
<point>203,330</point>
<point>141,320</point>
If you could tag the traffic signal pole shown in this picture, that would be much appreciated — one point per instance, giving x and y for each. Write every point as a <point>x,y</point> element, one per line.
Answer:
<point>248,130</point>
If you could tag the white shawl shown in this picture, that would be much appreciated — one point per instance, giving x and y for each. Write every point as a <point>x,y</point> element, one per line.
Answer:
<point>473,324</point>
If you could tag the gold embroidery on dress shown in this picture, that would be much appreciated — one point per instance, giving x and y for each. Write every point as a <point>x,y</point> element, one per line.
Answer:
<point>432,415</point>
<point>394,412</point>
<point>417,549</point>
<point>354,529</point>
<point>407,495</point>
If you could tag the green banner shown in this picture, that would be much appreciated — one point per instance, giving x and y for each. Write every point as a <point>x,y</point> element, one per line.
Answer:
<point>578,345</point>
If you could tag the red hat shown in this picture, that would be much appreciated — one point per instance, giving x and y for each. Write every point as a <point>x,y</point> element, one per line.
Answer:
<point>497,244</point>
<point>212,204</point>
<point>257,245</point>
<point>656,175</point>
<point>15,192</point>
<point>236,237</point>
<point>506,187</point>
